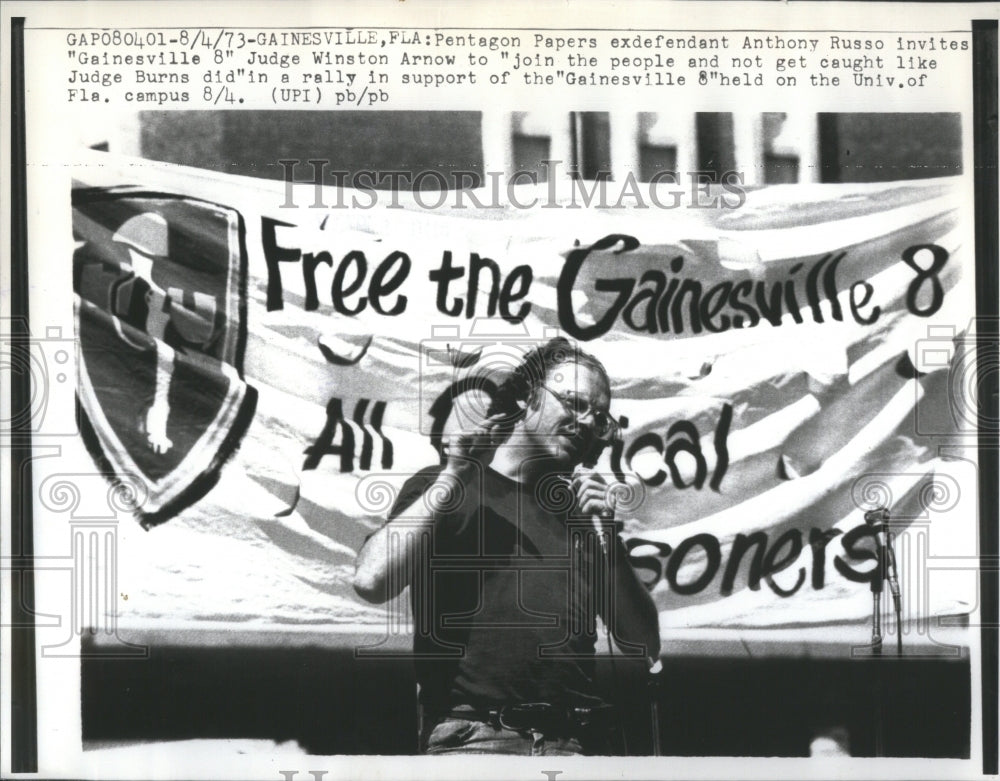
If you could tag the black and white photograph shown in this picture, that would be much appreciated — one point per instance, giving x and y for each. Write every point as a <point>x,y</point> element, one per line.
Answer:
<point>605,397</point>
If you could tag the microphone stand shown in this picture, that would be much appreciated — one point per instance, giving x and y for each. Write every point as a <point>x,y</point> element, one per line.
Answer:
<point>877,614</point>
<point>879,710</point>
<point>654,689</point>
<point>878,522</point>
<point>887,573</point>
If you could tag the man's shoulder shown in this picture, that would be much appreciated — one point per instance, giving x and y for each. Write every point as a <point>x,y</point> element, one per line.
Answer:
<point>428,474</point>
<point>414,486</point>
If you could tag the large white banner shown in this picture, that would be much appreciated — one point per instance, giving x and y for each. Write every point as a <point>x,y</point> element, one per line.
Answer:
<point>263,364</point>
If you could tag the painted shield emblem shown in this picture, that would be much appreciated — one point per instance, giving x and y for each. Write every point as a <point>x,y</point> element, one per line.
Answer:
<point>160,284</point>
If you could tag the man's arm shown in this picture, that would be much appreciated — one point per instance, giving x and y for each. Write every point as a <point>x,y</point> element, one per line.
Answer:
<point>386,561</point>
<point>635,620</point>
<point>632,616</point>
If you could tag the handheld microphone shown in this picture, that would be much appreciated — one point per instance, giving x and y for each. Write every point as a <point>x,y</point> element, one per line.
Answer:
<point>582,470</point>
<point>877,520</point>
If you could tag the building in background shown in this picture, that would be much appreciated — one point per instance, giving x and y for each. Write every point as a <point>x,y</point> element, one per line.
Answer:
<point>767,148</point>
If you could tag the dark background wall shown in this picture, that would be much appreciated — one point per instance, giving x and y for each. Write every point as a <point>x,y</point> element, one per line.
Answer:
<point>333,703</point>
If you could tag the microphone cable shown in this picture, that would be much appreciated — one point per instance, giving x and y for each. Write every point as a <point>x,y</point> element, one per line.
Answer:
<point>894,589</point>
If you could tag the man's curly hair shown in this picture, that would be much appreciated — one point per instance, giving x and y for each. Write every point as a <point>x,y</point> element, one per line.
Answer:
<point>525,379</point>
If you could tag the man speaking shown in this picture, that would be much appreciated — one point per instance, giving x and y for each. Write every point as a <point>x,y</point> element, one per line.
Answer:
<point>510,552</point>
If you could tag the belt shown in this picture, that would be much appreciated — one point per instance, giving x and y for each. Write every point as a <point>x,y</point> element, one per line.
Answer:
<point>542,716</point>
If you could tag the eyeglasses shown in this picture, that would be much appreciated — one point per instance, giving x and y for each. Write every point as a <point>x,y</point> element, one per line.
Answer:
<point>605,427</point>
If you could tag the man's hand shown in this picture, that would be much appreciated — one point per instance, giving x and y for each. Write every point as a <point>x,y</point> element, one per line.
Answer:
<point>593,499</point>
<point>480,444</point>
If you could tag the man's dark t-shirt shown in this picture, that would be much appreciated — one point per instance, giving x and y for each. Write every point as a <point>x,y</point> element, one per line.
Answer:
<point>504,601</point>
